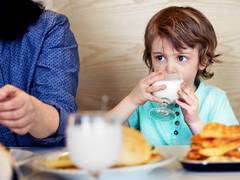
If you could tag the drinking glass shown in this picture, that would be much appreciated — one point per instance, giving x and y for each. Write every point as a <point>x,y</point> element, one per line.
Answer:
<point>168,95</point>
<point>93,141</point>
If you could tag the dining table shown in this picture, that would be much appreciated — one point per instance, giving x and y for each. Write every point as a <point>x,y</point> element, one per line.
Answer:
<point>172,170</point>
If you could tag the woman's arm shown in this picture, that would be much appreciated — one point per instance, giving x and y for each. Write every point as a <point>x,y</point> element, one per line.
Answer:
<point>40,116</point>
<point>56,77</point>
<point>42,126</point>
<point>23,113</point>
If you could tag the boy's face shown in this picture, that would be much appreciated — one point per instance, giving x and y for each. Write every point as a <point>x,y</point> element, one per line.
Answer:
<point>168,60</point>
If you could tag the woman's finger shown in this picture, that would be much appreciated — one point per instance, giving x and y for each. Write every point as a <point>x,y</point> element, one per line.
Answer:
<point>16,123</point>
<point>7,91</point>
<point>11,104</point>
<point>22,131</point>
<point>13,114</point>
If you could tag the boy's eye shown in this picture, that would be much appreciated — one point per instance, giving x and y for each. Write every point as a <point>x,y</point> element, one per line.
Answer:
<point>182,58</point>
<point>160,58</point>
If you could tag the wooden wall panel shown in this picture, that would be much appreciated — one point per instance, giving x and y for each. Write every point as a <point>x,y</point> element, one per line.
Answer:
<point>110,38</point>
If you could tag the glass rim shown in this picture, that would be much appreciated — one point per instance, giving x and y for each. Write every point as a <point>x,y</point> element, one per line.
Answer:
<point>92,113</point>
<point>88,112</point>
<point>173,76</point>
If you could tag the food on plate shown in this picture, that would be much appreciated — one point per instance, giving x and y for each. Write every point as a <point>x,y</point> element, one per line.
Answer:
<point>62,161</point>
<point>135,151</point>
<point>216,142</point>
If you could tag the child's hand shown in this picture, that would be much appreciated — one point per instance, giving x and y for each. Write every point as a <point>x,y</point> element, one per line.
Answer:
<point>188,101</point>
<point>143,91</point>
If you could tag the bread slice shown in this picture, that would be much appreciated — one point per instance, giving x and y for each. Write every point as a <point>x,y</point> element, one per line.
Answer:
<point>135,148</point>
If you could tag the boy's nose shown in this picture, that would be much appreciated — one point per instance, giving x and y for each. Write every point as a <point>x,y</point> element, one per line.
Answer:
<point>171,67</point>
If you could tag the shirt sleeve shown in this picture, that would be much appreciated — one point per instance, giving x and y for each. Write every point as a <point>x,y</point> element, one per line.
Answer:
<point>223,112</point>
<point>133,120</point>
<point>56,76</point>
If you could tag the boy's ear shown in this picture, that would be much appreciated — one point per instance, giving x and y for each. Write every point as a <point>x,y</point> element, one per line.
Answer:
<point>201,66</point>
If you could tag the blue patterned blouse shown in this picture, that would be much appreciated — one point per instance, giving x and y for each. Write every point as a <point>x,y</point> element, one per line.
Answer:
<point>45,64</point>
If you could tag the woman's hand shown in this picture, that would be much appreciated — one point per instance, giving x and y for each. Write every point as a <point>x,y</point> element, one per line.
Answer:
<point>23,113</point>
<point>17,111</point>
<point>143,91</point>
<point>188,102</point>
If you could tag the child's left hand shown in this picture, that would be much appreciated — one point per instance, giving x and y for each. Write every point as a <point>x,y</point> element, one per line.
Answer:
<point>188,102</point>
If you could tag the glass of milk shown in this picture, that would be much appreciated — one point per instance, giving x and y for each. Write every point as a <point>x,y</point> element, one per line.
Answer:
<point>168,95</point>
<point>93,141</point>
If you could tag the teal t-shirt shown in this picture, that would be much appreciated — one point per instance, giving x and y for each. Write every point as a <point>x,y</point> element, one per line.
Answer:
<point>213,106</point>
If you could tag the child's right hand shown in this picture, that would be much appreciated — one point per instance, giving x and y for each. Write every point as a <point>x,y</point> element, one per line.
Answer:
<point>144,89</point>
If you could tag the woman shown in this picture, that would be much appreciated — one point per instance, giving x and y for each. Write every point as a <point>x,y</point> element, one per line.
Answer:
<point>39,67</point>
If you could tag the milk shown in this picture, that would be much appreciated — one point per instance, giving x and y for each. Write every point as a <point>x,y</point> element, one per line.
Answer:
<point>170,93</point>
<point>94,145</point>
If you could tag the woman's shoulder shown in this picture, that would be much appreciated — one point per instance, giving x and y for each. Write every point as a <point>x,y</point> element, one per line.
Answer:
<point>51,25</point>
<point>49,19</point>
<point>52,16</point>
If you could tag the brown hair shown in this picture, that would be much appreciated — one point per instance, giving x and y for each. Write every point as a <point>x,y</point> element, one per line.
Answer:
<point>183,26</point>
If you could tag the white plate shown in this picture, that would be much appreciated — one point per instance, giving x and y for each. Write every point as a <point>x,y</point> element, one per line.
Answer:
<point>141,169</point>
<point>21,156</point>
